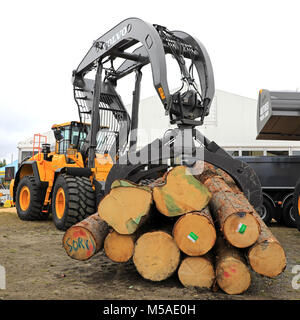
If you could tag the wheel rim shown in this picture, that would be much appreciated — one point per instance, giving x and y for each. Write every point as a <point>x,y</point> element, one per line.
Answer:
<point>24,198</point>
<point>291,212</point>
<point>60,202</point>
<point>263,211</point>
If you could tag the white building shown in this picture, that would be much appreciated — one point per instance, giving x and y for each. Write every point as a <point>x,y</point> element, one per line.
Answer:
<point>231,124</point>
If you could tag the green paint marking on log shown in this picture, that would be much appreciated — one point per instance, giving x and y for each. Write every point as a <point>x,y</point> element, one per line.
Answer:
<point>121,183</point>
<point>171,206</point>
<point>138,219</point>
<point>125,183</point>
<point>196,183</point>
<point>131,224</point>
<point>115,184</point>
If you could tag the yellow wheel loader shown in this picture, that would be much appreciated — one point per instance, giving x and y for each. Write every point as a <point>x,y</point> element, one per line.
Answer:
<point>45,183</point>
<point>102,146</point>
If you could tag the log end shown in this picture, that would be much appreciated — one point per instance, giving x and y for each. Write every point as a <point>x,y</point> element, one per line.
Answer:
<point>233,276</point>
<point>124,208</point>
<point>267,258</point>
<point>118,247</point>
<point>79,243</point>
<point>181,193</point>
<point>156,255</point>
<point>194,234</point>
<point>196,272</point>
<point>241,229</point>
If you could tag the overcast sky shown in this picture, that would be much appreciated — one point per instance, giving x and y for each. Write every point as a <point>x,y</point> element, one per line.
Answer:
<point>252,45</point>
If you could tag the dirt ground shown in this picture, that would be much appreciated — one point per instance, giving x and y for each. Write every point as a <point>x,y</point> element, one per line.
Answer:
<point>37,267</point>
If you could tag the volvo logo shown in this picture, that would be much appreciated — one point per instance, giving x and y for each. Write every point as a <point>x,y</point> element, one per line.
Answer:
<point>111,41</point>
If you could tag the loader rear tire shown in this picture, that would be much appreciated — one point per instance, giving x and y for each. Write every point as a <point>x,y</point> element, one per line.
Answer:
<point>29,200</point>
<point>73,200</point>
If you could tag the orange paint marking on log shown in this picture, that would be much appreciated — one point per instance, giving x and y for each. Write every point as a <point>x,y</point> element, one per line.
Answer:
<point>233,270</point>
<point>226,274</point>
<point>79,233</point>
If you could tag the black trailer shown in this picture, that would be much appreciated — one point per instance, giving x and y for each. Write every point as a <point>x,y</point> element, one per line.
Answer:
<point>278,177</point>
<point>278,118</point>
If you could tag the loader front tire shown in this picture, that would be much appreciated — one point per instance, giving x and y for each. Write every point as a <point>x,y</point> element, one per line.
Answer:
<point>29,200</point>
<point>73,200</point>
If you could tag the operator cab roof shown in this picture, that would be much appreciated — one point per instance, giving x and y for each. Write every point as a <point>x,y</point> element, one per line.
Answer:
<point>55,126</point>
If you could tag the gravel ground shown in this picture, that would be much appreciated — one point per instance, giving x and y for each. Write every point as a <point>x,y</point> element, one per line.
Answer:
<point>37,267</point>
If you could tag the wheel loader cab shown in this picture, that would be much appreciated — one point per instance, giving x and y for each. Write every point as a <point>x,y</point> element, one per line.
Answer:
<point>70,136</point>
<point>71,145</point>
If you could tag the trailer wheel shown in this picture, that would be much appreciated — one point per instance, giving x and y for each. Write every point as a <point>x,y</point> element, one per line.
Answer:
<point>29,200</point>
<point>73,200</point>
<point>266,211</point>
<point>288,213</point>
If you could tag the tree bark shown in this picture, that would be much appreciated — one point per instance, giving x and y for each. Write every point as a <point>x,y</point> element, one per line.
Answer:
<point>181,193</point>
<point>229,181</point>
<point>197,272</point>
<point>194,233</point>
<point>232,273</point>
<point>156,255</point>
<point>125,209</point>
<point>86,238</point>
<point>119,247</point>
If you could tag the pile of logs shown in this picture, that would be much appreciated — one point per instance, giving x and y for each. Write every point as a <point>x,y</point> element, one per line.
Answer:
<point>200,226</point>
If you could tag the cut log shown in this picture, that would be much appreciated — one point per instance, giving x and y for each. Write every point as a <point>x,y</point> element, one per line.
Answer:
<point>197,272</point>
<point>181,193</point>
<point>194,233</point>
<point>239,226</point>
<point>119,247</point>
<point>266,256</point>
<point>86,238</point>
<point>156,255</point>
<point>232,273</point>
<point>237,222</point>
<point>125,209</point>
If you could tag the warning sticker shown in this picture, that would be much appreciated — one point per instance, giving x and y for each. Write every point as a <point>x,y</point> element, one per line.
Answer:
<point>241,228</point>
<point>193,237</point>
